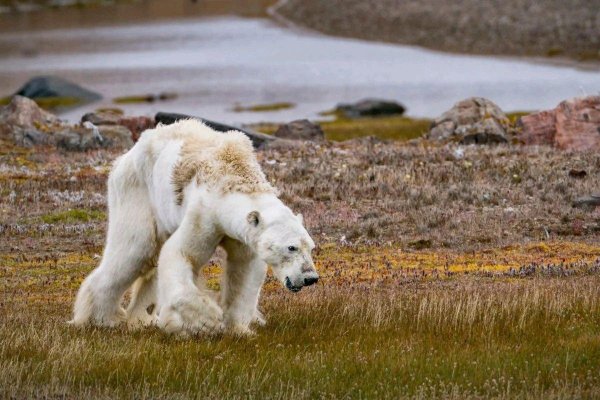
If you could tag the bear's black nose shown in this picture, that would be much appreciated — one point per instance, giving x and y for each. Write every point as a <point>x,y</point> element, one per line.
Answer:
<point>311,281</point>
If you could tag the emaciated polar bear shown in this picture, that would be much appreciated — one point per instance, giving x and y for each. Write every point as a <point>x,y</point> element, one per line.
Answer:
<point>180,192</point>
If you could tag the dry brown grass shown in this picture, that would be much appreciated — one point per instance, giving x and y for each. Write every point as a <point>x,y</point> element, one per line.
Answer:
<point>444,196</point>
<point>439,281</point>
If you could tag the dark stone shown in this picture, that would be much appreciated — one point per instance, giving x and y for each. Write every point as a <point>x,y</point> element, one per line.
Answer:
<point>258,139</point>
<point>578,173</point>
<point>301,129</point>
<point>53,86</point>
<point>590,202</point>
<point>371,108</point>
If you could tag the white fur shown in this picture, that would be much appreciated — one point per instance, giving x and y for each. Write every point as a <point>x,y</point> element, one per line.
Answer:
<point>147,228</point>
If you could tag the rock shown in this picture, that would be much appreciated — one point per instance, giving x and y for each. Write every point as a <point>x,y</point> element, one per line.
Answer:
<point>578,173</point>
<point>25,123</point>
<point>88,136</point>
<point>115,136</point>
<point>52,86</point>
<point>472,121</point>
<point>592,201</point>
<point>136,125</point>
<point>488,131</point>
<point>537,129</point>
<point>573,125</point>
<point>77,138</point>
<point>371,108</point>
<point>578,124</point>
<point>103,117</point>
<point>257,138</point>
<point>301,129</point>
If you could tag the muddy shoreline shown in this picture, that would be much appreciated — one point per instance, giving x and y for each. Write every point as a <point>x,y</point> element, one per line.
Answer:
<point>127,12</point>
<point>560,33</point>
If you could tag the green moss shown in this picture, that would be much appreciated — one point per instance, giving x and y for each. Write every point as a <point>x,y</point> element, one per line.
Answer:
<point>264,107</point>
<point>391,128</point>
<point>49,103</point>
<point>74,215</point>
<point>134,99</point>
<point>554,52</point>
<point>145,98</point>
<point>515,115</point>
<point>57,102</point>
<point>388,128</point>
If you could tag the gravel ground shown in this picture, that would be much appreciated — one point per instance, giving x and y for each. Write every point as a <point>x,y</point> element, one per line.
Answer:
<point>558,28</point>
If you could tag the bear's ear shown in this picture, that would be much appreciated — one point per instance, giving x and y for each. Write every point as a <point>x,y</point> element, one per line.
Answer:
<point>253,218</point>
<point>300,218</point>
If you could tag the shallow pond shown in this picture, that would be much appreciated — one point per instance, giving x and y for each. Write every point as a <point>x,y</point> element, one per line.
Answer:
<point>215,63</point>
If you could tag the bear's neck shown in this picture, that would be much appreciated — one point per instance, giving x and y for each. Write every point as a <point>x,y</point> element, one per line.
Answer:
<point>233,213</point>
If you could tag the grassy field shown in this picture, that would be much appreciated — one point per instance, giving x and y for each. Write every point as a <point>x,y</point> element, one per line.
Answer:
<point>386,128</point>
<point>446,273</point>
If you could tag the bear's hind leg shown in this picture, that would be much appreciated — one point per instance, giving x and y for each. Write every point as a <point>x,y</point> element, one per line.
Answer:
<point>130,245</point>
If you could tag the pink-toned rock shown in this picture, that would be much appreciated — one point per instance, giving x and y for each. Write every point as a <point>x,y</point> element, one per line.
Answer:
<point>538,128</point>
<point>573,125</point>
<point>578,124</point>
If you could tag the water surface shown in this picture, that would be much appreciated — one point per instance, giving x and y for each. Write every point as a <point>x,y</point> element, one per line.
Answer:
<point>214,63</point>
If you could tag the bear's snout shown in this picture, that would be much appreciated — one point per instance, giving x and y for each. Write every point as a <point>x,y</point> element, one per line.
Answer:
<point>311,280</point>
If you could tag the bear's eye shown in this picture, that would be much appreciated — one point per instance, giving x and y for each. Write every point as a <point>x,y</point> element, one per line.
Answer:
<point>292,248</point>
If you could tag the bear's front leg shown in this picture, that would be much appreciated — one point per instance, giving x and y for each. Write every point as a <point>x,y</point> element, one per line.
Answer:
<point>183,307</point>
<point>240,290</point>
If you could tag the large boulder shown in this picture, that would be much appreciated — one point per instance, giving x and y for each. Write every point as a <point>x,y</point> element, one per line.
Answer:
<point>25,123</point>
<point>53,87</point>
<point>370,108</point>
<point>472,121</point>
<point>574,125</point>
<point>258,139</point>
<point>301,129</point>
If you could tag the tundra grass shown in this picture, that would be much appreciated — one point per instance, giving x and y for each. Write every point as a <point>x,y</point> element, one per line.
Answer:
<point>442,277</point>
<point>462,338</point>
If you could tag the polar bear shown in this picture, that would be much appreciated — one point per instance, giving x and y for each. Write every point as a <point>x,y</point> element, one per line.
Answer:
<point>180,192</point>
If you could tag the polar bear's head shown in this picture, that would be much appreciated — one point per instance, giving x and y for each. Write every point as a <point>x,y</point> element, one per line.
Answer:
<point>285,245</point>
